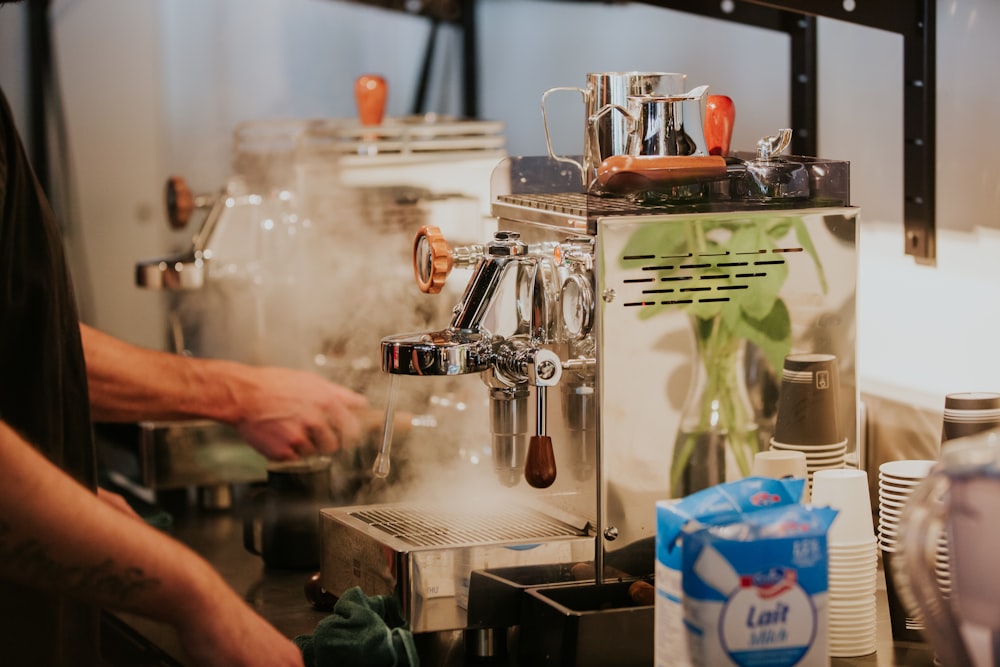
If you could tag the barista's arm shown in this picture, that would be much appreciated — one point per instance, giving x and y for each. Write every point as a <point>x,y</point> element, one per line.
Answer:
<point>283,413</point>
<point>56,535</point>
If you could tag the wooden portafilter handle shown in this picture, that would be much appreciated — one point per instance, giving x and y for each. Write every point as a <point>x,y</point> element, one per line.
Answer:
<point>540,464</point>
<point>370,93</point>
<point>720,115</point>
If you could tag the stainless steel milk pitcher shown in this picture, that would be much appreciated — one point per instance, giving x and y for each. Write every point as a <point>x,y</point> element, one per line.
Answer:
<point>608,134</point>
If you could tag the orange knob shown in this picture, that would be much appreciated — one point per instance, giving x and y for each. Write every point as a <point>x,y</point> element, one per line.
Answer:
<point>370,92</point>
<point>432,259</point>
<point>180,202</point>
<point>720,114</point>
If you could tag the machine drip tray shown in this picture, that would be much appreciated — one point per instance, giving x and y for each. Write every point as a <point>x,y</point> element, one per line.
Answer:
<point>425,553</point>
<point>585,625</point>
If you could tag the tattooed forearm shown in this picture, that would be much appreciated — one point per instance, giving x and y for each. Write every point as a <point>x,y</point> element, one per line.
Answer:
<point>29,559</point>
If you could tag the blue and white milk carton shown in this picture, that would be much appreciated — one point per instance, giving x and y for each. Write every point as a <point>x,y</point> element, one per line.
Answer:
<point>755,591</point>
<point>721,504</point>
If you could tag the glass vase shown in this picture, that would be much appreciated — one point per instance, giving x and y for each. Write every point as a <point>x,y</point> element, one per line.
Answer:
<point>718,433</point>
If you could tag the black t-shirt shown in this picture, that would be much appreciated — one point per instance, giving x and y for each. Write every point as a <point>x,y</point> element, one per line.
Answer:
<point>43,395</point>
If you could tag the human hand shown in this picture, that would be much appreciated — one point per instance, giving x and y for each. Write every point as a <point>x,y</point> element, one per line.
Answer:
<point>288,414</point>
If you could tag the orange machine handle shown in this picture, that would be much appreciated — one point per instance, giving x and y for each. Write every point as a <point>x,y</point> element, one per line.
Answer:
<point>370,93</point>
<point>180,202</point>
<point>432,259</point>
<point>720,114</point>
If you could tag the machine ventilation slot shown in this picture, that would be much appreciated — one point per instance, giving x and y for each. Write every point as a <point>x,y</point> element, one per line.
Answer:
<point>703,281</point>
<point>428,526</point>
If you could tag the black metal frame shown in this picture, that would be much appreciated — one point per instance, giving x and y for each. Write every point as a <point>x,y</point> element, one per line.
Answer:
<point>914,20</point>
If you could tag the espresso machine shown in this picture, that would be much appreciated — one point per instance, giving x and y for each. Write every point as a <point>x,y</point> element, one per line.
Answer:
<point>578,320</point>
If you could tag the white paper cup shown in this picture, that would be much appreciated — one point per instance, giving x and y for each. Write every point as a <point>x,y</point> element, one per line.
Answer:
<point>846,490</point>
<point>858,631</point>
<point>779,464</point>
<point>891,503</point>
<point>900,485</point>
<point>907,469</point>
<point>862,550</point>
<point>846,585</point>
<point>856,570</point>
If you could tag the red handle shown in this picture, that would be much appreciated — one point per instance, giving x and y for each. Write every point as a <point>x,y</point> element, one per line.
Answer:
<point>720,114</point>
<point>370,92</point>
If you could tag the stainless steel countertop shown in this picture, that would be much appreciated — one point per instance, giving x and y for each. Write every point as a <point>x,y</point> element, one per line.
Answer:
<point>280,598</point>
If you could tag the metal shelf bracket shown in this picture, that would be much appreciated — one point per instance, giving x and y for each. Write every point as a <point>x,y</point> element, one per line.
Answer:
<point>915,21</point>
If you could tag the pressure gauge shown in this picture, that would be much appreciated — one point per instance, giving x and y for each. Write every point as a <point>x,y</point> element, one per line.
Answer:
<point>577,299</point>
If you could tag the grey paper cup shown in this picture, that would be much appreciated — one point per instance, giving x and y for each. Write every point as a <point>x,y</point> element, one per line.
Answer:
<point>969,412</point>
<point>808,402</point>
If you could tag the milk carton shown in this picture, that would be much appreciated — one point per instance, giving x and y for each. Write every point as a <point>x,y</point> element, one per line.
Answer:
<point>755,591</point>
<point>720,504</point>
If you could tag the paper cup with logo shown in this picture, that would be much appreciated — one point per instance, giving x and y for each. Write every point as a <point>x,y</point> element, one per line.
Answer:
<point>808,401</point>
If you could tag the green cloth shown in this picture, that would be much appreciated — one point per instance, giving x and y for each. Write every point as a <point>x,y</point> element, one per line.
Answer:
<point>362,631</point>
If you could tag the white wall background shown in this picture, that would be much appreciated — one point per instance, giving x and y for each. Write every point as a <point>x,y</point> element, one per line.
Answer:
<point>154,87</point>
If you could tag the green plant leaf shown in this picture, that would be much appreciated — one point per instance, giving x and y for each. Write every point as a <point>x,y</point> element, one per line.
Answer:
<point>756,314</point>
<point>772,333</point>
<point>802,235</point>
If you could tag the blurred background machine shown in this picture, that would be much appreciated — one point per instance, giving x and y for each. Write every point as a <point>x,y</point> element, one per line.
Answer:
<point>300,260</point>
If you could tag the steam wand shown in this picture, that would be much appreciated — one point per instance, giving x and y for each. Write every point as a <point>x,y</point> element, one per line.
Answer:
<point>382,464</point>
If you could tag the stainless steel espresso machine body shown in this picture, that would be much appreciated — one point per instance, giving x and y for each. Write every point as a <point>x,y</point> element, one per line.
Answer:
<point>578,320</point>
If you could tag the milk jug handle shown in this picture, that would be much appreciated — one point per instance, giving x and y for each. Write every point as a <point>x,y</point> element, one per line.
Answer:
<point>913,568</point>
<point>545,124</point>
<point>592,136</point>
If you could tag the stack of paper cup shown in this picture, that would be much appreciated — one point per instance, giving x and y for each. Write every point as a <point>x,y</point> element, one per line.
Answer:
<point>807,418</point>
<point>968,413</point>
<point>852,561</point>
<point>896,481</point>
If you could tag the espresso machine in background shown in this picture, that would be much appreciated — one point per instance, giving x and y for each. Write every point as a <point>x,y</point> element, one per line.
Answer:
<point>279,271</point>
<point>578,321</point>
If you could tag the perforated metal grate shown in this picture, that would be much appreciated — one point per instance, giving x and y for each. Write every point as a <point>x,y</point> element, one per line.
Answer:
<point>434,525</point>
<point>577,204</point>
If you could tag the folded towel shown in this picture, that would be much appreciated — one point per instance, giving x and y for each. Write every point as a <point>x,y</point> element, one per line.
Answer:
<point>362,631</point>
